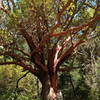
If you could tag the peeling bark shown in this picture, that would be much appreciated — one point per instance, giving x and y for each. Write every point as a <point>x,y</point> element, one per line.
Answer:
<point>48,92</point>
<point>49,86</point>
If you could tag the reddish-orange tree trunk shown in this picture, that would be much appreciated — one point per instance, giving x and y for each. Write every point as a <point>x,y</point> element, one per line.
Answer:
<point>49,86</point>
<point>53,86</point>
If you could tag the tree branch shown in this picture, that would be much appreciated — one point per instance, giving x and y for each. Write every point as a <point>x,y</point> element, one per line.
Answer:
<point>27,37</point>
<point>76,10</point>
<point>47,37</point>
<point>67,69</point>
<point>4,10</point>
<point>25,67</point>
<point>68,52</point>
<point>14,56</point>
<point>17,84</point>
<point>23,52</point>
<point>8,4</point>
<point>89,5</point>
<point>77,28</point>
<point>59,15</point>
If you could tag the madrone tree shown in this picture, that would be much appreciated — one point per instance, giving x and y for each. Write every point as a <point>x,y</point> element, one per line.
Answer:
<point>40,35</point>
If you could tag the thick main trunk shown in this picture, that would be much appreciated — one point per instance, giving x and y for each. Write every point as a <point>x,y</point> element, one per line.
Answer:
<point>53,86</point>
<point>45,90</point>
<point>48,93</point>
<point>49,88</point>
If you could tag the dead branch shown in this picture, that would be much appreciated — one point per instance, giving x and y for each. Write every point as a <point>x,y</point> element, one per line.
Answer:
<point>17,84</point>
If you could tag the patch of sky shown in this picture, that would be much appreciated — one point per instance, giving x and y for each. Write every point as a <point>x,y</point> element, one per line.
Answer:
<point>93,3</point>
<point>80,32</point>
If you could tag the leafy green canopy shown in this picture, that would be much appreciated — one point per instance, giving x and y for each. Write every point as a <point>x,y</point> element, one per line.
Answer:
<point>41,25</point>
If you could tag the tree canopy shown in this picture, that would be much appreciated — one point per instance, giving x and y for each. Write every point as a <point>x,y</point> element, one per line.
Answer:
<point>40,35</point>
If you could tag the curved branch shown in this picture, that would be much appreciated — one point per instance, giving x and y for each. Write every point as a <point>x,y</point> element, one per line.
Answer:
<point>7,63</point>
<point>17,84</point>
<point>14,56</point>
<point>25,67</point>
<point>23,52</point>
<point>67,53</point>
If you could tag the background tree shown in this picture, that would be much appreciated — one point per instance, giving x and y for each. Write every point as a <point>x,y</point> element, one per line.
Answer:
<point>41,35</point>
